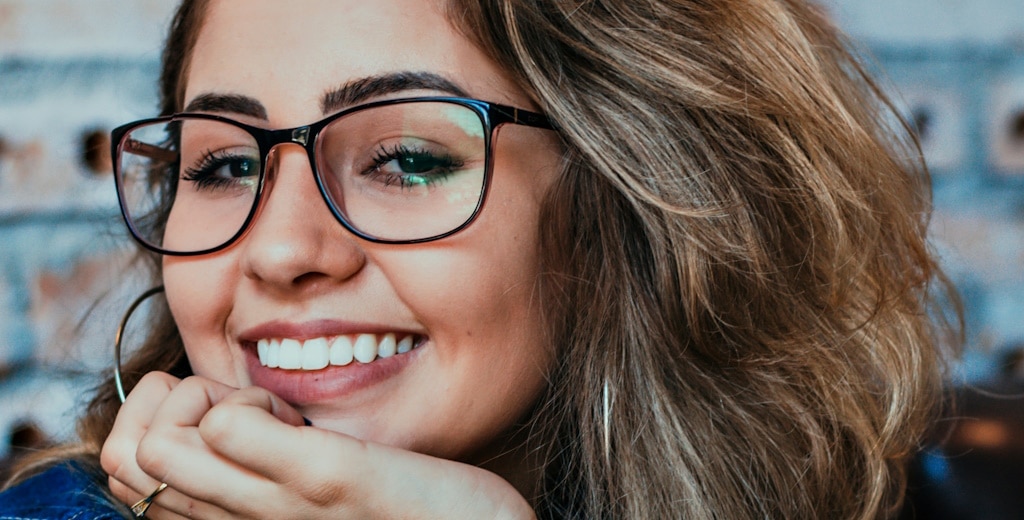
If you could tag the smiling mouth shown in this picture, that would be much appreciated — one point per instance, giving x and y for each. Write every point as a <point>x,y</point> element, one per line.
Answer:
<point>319,353</point>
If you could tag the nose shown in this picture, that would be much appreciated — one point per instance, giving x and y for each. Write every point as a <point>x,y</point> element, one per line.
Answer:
<point>295,241</point>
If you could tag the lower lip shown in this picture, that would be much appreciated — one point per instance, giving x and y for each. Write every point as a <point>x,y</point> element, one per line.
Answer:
<point>304,387</point>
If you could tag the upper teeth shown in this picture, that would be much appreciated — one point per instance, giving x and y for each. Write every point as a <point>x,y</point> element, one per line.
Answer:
<point>317,353</point>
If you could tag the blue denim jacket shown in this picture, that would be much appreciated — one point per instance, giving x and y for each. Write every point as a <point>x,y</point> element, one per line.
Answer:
<point>63,492</point>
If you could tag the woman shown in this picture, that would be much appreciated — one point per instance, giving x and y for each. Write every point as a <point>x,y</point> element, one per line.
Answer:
<point>673,265</point>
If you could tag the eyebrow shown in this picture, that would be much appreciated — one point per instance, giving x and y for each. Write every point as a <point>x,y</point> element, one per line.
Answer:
<point>360,90</point>
<point>351,93</point>
<point>230,103</point>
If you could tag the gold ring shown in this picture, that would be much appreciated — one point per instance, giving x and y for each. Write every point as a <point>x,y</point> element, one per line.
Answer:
<point>139,508</point>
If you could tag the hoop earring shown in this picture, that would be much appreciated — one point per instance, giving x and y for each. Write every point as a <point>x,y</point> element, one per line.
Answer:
<point>120,335</point>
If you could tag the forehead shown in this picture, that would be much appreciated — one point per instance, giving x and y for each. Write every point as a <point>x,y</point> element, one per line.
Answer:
<point>289,53</point>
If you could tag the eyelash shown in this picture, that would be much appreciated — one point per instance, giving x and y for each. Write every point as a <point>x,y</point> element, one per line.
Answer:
<point>445,165</point>
<point>202,172</point>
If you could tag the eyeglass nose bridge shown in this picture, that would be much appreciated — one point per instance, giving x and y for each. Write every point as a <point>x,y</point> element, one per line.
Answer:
<point>273,139</point>
<point>296,136</point>
<point>300,135</point>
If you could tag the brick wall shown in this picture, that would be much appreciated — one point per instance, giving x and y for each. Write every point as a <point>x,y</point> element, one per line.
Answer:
<point>958,69</point>
<point>70,70</point>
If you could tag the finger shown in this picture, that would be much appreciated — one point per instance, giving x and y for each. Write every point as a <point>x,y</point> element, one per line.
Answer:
<point>199,478</point>
<point>251,424</point>
<point>329,471</point>
<point>172,426</point>
<point>262,398</point>
<point>322,466</point>
<point>132,422</point>
<point>321,471</point>
<point>319,465</point>
<point>173,451</point>
<point>258,430</point>
<point>127,481</point>
<point>189,401</point>
<point>185,507</point>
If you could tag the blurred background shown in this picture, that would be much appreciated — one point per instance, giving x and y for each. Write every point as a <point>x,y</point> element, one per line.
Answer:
<point>70,70</point>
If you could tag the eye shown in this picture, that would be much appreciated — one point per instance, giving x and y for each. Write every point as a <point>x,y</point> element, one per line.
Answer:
<point>419,163</point>
<point>217,169</point>
<point>408,166</point>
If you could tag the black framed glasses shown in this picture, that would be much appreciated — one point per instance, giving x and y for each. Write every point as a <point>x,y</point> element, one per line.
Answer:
<point>398,171</point>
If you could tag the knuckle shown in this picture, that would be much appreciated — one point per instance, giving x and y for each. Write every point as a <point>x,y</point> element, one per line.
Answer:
<point>111,458</point>
<point>152,385</point>
<point>155,380</point>
<point>254,394</point>
<point>328,483</point>
<point>198,389</point>
<point>216,424</point>
<point>325,494</point>
<point>152,454</point>
<point>118,489</point>
<point>192,385</point>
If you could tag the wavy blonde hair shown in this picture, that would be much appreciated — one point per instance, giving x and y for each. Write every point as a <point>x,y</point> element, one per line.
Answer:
<point>735,263</point>
<point>744,216</point>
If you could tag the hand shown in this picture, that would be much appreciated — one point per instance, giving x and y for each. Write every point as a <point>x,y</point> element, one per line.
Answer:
<point>229,453</point>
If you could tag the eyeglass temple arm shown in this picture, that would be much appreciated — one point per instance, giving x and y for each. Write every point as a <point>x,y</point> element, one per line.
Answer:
<point>148,150</point>
<point>522,117</point>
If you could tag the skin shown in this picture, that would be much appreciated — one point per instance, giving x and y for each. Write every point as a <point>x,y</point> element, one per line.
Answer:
<point>430,437</point>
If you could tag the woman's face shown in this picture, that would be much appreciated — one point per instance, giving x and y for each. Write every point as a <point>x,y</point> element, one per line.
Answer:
<point>298,278</point>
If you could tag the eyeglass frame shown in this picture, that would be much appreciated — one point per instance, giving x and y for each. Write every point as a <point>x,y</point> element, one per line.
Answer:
<point>492,115</point>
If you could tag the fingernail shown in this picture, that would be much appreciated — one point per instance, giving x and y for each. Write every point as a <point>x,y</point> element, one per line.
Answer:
<point>307,421</point>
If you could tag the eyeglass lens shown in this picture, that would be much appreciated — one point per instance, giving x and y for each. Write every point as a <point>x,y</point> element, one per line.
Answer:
<point>399,172</point>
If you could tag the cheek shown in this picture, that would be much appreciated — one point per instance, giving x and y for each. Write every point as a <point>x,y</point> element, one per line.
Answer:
<point>476,294</point>
<point>473,293</point>
<point>199,296</point>
<point>489,356</point>
<point>481,282</point>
